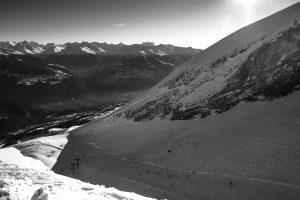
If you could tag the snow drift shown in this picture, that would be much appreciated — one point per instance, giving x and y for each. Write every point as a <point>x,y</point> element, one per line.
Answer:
<point>22,176</point>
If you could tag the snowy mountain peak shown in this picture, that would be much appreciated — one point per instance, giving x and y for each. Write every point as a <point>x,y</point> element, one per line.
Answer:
<point>87,50</point>
<point>59,48</point>
<point>96,48</point>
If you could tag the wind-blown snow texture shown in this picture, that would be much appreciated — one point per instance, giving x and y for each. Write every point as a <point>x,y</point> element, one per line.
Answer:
<point>21,176</point>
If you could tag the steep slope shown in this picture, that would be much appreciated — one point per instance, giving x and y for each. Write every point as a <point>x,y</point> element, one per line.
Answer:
<point>118,72</point>
<point>244,65</point>
<point>68,76</point>
<point>34,80</point>
<point>35,85</point>
<point>254,145</point>
<point>251,151</point>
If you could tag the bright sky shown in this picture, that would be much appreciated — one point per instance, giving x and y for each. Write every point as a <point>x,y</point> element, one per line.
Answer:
<point>196,23</point>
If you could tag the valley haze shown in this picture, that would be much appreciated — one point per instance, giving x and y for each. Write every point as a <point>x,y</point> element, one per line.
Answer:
<point>208,110</point>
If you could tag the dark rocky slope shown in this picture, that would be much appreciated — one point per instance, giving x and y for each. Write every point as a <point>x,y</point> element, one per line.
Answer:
<point>50,83</point>
<point>272,70</point>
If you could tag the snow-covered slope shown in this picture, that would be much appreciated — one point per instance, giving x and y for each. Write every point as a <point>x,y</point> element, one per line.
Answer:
<point>242,66</point>
<point>59,48</point>
<point>21,176</point>
<point>87,50</point>
<point>254,145</point>
<point>251,151</point>
<point>45,149</point>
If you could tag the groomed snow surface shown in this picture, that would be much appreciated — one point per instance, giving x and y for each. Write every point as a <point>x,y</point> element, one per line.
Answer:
<point>22,176</point>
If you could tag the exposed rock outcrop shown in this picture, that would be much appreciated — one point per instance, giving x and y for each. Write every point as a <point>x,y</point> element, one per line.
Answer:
<point>271,69</point>
<point>40,194</point>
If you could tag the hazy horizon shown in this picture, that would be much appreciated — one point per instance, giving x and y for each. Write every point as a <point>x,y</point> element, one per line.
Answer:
<point>186,23</point>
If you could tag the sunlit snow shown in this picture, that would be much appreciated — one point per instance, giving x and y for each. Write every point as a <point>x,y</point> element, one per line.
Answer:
<point>21,176</point>
<point>101,50</point>
<point>59,48</point>
<point>87,50</point>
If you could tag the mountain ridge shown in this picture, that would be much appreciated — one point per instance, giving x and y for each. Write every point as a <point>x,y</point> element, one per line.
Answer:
<point>253,75</point>
<point>199,70</point>
<point>35,82</point>
<point>96,48</point>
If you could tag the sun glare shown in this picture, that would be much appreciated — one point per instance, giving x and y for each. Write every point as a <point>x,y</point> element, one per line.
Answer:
<point>246,3</point>
<point>248,8</point>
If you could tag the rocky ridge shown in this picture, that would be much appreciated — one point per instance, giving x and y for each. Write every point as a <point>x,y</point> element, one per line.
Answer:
<point>261,70</point>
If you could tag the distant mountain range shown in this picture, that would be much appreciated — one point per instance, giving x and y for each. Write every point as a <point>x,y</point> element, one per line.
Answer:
<point>223,125</point>
<point>36,78</point>
<point>96,48</point>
